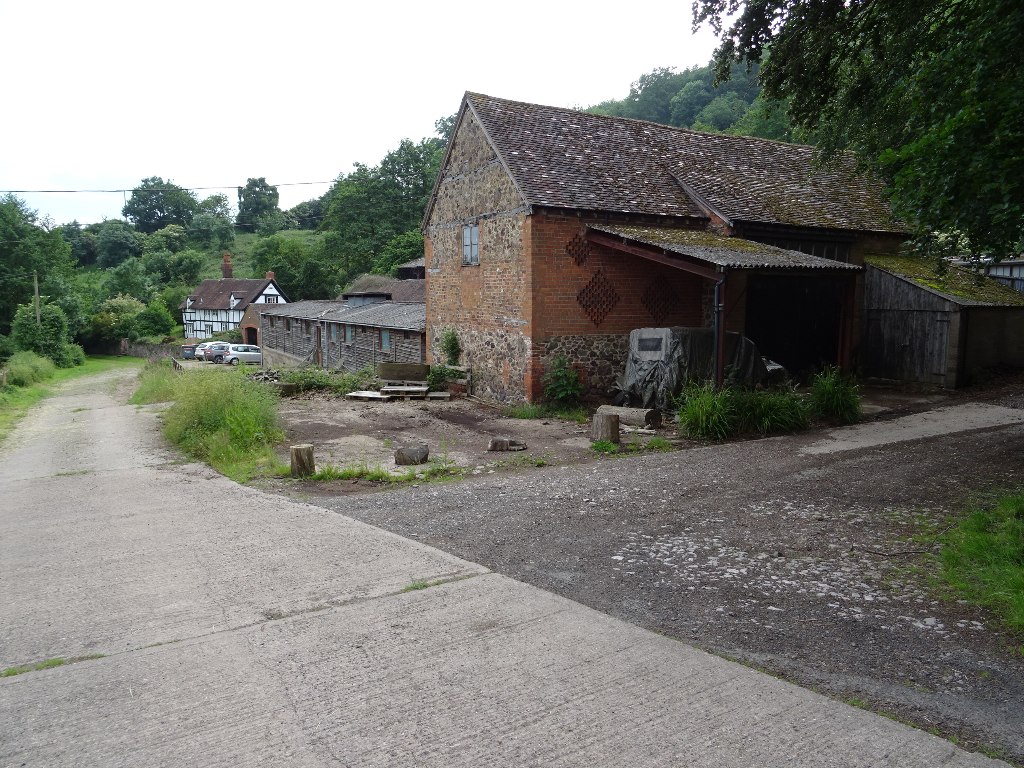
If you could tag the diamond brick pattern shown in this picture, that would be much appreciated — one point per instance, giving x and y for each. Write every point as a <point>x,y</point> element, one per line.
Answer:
<point>578,249</point>
<point>659,300</point>
<point>598,298</point>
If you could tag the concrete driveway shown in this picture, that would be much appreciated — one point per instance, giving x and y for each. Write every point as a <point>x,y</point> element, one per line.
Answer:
<point>217,625</point>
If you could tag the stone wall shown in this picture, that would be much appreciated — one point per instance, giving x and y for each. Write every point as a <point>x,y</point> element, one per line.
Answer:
<point>599,358</point>
<point>498,359</point>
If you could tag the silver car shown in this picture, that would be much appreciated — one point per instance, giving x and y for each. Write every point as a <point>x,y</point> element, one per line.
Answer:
<point>243,353</point>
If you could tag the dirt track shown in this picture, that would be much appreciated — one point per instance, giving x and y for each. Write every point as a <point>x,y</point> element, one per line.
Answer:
<point>799,563</point>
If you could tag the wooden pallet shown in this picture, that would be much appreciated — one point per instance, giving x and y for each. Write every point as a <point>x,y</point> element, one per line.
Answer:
<point>368,395</point>
<point>418,392</point>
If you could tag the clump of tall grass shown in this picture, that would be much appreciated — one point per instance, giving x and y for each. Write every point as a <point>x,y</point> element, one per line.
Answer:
<point>835,396</point>
<point>219,417</point>
<point>157,384</point>
<point>708,413</point>
<point>27,368</point>
<point>770,411</point>
<point>983,559</point>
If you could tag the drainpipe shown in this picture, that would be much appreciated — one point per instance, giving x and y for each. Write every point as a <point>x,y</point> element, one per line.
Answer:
<point>720,330</point>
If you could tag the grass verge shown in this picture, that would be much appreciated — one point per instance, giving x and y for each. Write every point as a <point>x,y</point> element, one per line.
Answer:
<point>16,401</point>
<point>217,416</point>
<point>983,559</point>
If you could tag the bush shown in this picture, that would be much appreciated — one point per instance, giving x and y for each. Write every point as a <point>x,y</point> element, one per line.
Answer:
<point>450,346</point>
<point>70,356</point>
<point>562,383</point>
<point>835,396</point>
<point>7,347</point>
<point>27,368</point>
<point>45,337</point>
<point>439,376</point>
<point>338,383</point>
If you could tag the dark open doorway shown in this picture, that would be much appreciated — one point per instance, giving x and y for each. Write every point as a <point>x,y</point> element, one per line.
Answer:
<point>796,320</point>
<point>250,335</point>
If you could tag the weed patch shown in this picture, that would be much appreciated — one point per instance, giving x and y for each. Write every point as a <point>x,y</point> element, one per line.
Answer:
<point>336,383</point>
<point>47,664</point>
<point>218,417</point>
<point>577,414</point>
<point>983,559</point>
<point>835,396</point>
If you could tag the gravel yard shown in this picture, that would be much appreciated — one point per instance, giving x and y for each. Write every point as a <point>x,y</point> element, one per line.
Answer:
<point>800,563</point>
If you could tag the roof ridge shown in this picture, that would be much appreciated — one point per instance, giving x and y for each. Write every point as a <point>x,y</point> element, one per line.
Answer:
<point>640,121</point>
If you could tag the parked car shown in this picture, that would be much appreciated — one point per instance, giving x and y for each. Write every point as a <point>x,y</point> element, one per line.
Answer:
<point>215,352</point>
<point>188,351</point>
<point>200,351</point>
<point>243,353</point>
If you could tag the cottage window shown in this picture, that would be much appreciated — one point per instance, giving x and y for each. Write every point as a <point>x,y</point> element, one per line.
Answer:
<point>270,299</point>
<point>209,330</point>
<point>471,244</point>
<point>385,340</point>
<point>350,334</point>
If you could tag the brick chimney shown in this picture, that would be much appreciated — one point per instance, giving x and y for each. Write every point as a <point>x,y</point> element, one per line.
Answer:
<point>270,275</point>
<point>225,267</point>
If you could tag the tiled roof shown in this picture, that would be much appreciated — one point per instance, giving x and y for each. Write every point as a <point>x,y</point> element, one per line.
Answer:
<point>400,290</point>
<point>569,159</point>
<point>405,316</point>
<point>216,294</point>
<point>718,251</point>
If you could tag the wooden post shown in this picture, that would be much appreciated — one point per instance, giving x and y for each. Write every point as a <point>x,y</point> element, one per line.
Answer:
<point>605,426</point>
<point>302,460</point>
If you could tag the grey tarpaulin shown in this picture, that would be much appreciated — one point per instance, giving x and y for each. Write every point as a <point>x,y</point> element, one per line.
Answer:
<point>662,360</point>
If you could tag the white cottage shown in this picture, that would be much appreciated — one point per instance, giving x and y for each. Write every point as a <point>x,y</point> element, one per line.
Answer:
<point>218,305</point>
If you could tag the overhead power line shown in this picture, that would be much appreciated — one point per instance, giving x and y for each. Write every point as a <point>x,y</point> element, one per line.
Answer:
<point>154,189</point>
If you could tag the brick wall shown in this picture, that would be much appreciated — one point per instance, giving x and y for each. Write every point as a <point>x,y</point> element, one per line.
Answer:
<point>487,304</point>
<point>586,300</point>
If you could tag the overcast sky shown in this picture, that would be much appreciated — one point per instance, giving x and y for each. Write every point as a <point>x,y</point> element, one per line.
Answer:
<point>101,94</point>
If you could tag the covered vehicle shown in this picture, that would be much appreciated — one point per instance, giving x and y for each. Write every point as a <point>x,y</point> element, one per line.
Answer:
<point>663,360</point>
<point>243,353</point>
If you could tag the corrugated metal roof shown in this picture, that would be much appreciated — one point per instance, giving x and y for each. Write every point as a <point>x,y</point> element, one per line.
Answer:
<point>405,316</point>
<point>570,159</point>
<point>719,251</point>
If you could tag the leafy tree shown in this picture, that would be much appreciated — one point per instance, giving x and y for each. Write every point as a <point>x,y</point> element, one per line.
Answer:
<point>274,222</point>
<point>154,320</point>
<point>83,244</point>
<point>212,231</point>
<point>116,319</point>
<point>689,101</point>
<point>47,337</point>
<point>256,200</point>
<point>171,238</point>
<point>27,248</point>
<point>372,206</point>
<point>167,268</point>
<point>720,113</point>
<point>769,120</point>
<point>129,278</point>
<point>398,250</point>
<point>924,91</point>
<point>172,296</point>
<point>216,205</point>
<point>117,241</point>
<point>303,268</point>
<point>155,203</point>
<point>309,214</point>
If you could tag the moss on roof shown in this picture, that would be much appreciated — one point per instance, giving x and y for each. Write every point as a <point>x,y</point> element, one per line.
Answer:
<point>958,282</point>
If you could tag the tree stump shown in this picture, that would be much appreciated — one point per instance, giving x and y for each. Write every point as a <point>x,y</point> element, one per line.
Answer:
<point>302,460</point>
<point>605,426</point>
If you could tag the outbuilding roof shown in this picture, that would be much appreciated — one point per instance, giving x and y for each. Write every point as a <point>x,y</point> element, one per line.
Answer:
<point>719,251</point>
<point>403,316</point>
<point>414,290</point>
<point>569,159</point>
